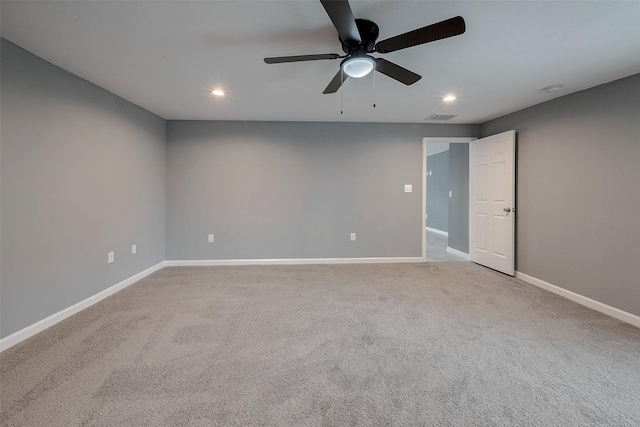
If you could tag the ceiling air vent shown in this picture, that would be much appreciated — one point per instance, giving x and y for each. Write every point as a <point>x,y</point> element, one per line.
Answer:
<point>441,117</point>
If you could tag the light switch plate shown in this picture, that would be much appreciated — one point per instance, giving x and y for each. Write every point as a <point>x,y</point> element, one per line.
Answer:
<point>353,237</point>
<point>134,249</point>
<point>408,188</point>
<point>110,257</point>
<point>210,238</point>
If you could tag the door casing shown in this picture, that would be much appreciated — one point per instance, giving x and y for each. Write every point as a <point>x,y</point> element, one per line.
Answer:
<point>425,141</point>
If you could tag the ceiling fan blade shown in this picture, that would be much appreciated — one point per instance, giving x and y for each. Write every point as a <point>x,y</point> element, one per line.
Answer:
<point>299,58</point>
<point>336,82</point>
<point>340,13</point>
<point>441,30</point>
<point>396,72</point>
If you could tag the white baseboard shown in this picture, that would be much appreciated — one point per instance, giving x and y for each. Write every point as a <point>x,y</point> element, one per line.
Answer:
<point>23,334</point>
<point>293,261</point>
<point>435,230</point>
<point>458,253</point>
<point>582,300</point>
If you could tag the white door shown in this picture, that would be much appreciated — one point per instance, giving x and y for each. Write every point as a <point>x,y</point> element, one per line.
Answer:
<point>492,201</point>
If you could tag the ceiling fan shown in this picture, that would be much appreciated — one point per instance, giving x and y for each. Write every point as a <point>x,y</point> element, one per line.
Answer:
<point>358,39</point>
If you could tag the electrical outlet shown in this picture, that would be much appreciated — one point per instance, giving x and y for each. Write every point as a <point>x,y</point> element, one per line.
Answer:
<point>134,249</point>
<point>210,239</point>
<point>450,194</point>
<point>353,237</point>
<point>110,257</point>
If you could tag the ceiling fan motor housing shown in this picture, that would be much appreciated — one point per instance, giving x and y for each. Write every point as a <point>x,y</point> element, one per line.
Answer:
<point>369,32</point>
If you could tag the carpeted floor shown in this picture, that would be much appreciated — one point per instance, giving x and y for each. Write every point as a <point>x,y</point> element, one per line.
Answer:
<point>403,345</point>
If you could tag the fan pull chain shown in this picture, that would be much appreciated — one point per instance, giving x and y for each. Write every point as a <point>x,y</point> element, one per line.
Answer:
<point>374,88</point>
<point>342,79</point>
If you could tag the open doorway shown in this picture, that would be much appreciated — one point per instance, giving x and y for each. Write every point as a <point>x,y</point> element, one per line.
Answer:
<point>446,199</point>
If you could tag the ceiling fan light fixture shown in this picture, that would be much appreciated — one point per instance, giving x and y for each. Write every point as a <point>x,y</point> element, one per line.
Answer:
<point>217,92</point>
<point>358,66</point>
<point>449,98</point>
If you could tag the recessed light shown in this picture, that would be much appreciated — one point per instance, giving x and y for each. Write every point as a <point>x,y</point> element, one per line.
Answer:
<point>449,98</point>
<point>552,88</point>
<point>217,92</point>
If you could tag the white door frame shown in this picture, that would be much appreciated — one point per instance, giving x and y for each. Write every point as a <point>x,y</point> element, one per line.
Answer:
<point>425,141</point>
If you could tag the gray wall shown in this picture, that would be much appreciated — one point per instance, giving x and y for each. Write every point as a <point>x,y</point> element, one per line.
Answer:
<point>295,190</point>
<point>459,203</point>
<point>83,173</point>
<point>438,191</point>
<point>578,191</point>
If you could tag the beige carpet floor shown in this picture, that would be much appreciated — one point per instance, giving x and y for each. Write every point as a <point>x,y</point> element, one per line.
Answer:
<point>327,345</point>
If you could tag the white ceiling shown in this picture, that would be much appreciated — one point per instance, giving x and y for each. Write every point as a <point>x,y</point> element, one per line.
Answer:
<point>166,56</point>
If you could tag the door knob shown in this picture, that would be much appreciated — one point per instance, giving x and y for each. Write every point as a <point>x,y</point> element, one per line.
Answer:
<point>507,210</point>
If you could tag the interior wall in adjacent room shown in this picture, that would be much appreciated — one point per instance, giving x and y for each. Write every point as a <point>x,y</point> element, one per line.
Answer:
<point>83,173</point>
<point>578,191</point>
<point>438,191</point>
<point>458,219</point>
